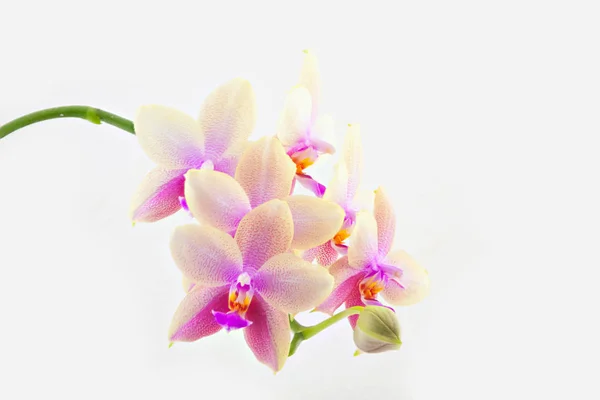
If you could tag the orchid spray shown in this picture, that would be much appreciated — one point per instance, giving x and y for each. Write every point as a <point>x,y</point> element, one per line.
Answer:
<point>255,255</point>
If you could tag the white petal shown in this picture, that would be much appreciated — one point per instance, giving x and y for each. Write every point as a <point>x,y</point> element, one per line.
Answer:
<point>315,220</point>
<point>265,171</point>
<point>228,116</point>
<point>353,157</point>
<point>310,78</point>
<point>337,190</point>
<point>412,286</point>
<point>294,124</point>
<point>362,250</point>
<point>291,284</point>
<point>169,137</point>
<point>216,199</point>
<point>206,255</point>
<point>386,221</point>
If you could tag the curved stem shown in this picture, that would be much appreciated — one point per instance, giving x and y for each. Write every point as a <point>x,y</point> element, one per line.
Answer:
<point>94,115</point>
<point>313,330</point>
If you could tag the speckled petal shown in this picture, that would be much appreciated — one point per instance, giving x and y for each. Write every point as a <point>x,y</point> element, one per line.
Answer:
<point>187,284</point>
<point>265,171</point>
<point>216,199</point>
<point>310,78</point>
<point>269,335</point>
<point>412,286</point>
<point>264,232</point>
<point>157,196</point>
<point>227,117</point>
<point>315,220</point>
<point>326,254</point>
<point>346,280</point>
<point>353,158</point>
<point>362,249</point>
<point>194,319</point>
<point>294,124</point>
<point>386,221</point>
<point>354,299</point>
<point>205,254</point>
<point>323,133</point>
<point>169,137</point>
<point>291,284</point>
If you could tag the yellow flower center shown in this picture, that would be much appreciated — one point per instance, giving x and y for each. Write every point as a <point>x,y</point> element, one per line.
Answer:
<point>371,286</point>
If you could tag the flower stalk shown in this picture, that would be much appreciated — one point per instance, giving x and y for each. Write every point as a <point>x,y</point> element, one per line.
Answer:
<point>91,114</point>
<point>302,333</point>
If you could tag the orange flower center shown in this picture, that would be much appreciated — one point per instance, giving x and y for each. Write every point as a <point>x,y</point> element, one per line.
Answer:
<point>371,286</point>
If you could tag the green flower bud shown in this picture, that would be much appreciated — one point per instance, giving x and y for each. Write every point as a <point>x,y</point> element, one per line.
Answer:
<point>377,330</point>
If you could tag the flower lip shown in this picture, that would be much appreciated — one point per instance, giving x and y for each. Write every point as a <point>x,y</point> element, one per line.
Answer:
<point>240,297</point>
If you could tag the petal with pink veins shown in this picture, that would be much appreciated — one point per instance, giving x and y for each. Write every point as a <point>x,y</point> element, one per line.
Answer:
<point>386,221</point>
<point>308,182</point>
<point>315,220</point>
<point>216,199</point>
<point>294,125</point>
<point>205,254</point>
<point>265,171</point>
<point>227,117</point>
<point>269,334</point>
<point>194,319</point>
<point>346,281</point>
<point>326,254</point>
<point>354,299</point>
<point>158,194</point>
<point>413,284</point>
<point>291,284</point>
<point>169,137</point>
<point>362,249</point>
<point>264,232</point>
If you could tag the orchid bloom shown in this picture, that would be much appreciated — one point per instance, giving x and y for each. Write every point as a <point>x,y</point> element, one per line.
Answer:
<point>344,191</point>
<point>177,143</point>
<point>250,281</point>
<point>264,173</point>
<point>301,129</point>
<point>370,268</point>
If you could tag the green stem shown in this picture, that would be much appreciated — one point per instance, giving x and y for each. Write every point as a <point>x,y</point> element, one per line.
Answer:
<point>313,330</point>
<point>94,115</point>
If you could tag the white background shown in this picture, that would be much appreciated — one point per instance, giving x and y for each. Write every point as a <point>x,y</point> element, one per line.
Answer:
<point>481,118</point>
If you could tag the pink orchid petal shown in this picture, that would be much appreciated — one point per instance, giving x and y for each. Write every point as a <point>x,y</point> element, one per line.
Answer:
<point>354,299</point>
<point>352,154</point>
<point>216,199</point>
<point>169,137</point>
<point>269,335</point>
<point>294,124</point>
<point>264,232</point>
<point>227,163</point>
<point>316,220</point>
<point>265,171</point>
<point>158,194</point>
<point>205,254</point>
<point>309,183</point>
<point>291,284</point>
<point>310,78</point>
<point>194,319</point>
<point>346,281</point>
<point>413,284</point>
<point>362,248</point>
<point>386,221</point>
<point>227,117</point>
<point>326,254</point>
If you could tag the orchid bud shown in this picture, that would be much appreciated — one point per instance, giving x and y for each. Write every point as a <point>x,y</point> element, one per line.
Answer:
<point>377,330</point>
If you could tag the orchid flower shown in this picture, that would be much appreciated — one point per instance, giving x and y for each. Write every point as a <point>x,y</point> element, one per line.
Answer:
<point>344,191</point>
<point>370,268</point>
<point>301,129</point>
<point>177,143</point>
<point>264,173</point>
<point>250,281</point>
